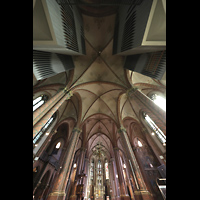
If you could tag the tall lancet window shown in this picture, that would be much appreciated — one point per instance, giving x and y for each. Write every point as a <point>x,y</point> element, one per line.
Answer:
<point>92,170</point>
<point>99,167</point>
<point>99,182</point>
<point>44,129</point>
<point>39,101</point>
<point>156,131</point>
<point>106,169</point>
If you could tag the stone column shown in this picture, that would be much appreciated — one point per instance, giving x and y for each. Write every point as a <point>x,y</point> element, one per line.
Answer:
<point>48,113</point>
<point>73,184</point>
<point>117,194</point>
<point>86,178</point>
<point>111,181</point>
<point>73,195</point>
<point>141,188</point>
<point>58,191</point>
<point>81,163</point>
<point>123,190</point>
<point>128,171</point>
<point>92,191</point>
<point>80,175</point>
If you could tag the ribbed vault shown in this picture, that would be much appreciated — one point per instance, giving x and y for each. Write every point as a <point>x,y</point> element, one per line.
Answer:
<point>100,133</point>
<point>99,77</point>
<point>99,84</point>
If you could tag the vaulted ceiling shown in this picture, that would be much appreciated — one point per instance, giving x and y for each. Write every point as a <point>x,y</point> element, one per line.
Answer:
<point>99,78</point>
<point>99,83</point>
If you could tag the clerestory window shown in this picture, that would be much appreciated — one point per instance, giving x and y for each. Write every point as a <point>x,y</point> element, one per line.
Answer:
<point>156,131</point>
<point>39,101</point>
<point>159,100</point>
<point>43,129</point>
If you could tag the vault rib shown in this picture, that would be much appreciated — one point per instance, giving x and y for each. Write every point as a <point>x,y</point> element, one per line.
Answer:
<point>98,97</point>
<point>114,73</point>
<point>99,131</point>
<point>98,135</point>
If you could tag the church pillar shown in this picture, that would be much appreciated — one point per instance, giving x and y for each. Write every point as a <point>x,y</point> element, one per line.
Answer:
<point>123,190</point>
<point>51,110</point>
<point>111,181</point>
<point>81,163</point>
<point>92,191</point>
<point>80,174</point>
<point>117,194</point>
<point>74,184</point>
<point>73,191</point>
<point>58,191</point>
<point>85,178</point>
<point>129,184</point>
<point>141,188</point>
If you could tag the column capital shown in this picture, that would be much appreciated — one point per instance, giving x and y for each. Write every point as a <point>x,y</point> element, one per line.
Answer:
<point>76,129</point>
<point>112,159</point>
<point>69,94</point>
<point>83,148</point>
<point>116,148</point>
<point>86,159</point>
<point>65,89</point>
<point>121,129</point>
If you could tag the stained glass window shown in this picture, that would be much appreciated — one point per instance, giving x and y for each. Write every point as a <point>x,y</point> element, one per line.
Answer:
<point>107,173</point>
<point>92,169</point>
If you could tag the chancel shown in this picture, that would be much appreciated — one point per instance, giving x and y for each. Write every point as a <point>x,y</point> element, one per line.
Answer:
<point>99,99</point>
